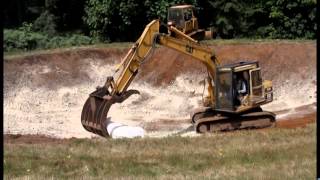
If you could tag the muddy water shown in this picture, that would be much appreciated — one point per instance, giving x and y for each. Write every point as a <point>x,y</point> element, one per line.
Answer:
<point>44,94</point>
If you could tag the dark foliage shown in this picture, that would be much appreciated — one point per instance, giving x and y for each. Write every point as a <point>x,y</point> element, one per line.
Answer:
<point>123,20</point>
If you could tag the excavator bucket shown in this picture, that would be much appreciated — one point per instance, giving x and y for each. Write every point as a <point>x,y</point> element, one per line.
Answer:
<point>95,110</point>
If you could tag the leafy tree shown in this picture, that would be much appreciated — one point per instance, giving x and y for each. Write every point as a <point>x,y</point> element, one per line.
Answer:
<point>68,14</point>
<point>158,9</point>
<point>17,11</point>
<point>293,19</point>
<point>45,23</point>
<point>118,20</point>
<point>102,18</point>
<point>228,17</point>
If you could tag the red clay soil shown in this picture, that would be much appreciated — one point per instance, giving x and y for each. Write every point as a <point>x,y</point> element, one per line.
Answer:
<point>294,122</point>
<point>279,61</point>
<point>164,124</point>
<point>68,67</point>
<point>31,139</point>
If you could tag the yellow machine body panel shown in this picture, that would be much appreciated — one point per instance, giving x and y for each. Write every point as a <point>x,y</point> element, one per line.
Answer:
<point>131,63</point>
<point>182,17</point>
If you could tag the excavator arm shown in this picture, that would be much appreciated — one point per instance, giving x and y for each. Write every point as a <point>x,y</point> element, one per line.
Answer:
<point>145,45</point>
<point>95,110</point>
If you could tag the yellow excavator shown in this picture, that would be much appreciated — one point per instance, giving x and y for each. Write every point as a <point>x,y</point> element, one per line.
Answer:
<point>226,107</point>
<point>183,18</point>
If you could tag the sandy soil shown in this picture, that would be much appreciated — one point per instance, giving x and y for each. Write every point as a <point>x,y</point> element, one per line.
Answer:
<point>44,93</point>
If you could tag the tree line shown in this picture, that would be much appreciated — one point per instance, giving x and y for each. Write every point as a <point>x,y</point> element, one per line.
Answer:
<point>124,20</point>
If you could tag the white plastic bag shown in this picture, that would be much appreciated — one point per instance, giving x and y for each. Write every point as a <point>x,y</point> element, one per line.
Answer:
<point>118,130</point>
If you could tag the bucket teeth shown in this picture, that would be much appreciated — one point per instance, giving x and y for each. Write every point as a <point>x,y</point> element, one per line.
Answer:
<point>125,95</point>
<point>95,110</point>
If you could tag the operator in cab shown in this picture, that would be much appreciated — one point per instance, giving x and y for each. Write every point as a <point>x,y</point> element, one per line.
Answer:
<point>241,87</point>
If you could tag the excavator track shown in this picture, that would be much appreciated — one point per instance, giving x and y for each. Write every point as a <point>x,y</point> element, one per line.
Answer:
<point>213,122</point>
<point>94,114</point>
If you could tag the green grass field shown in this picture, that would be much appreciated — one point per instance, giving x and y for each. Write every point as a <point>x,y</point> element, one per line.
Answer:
<point>257,154</point>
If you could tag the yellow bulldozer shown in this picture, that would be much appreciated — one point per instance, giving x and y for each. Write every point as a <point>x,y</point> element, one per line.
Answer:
<point>235,91</point>
<point>183,18</point>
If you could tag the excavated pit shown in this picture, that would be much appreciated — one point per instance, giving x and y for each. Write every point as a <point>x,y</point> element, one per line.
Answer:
<point>44,93</point>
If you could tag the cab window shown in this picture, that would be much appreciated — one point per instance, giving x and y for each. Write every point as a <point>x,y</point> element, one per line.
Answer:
<point>187,14</point>
<point>256,78</point>
<point>174,15</point>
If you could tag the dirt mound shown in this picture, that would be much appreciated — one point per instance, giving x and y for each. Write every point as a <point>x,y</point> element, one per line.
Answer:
<point>278,61</point>
<point>56,70</point>
<point>291,67</point>
<point>44,93</point>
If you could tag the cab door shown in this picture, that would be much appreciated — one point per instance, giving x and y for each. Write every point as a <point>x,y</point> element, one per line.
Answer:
<point>256,87</point>
<point>224,90</point>
<point>188,20</point>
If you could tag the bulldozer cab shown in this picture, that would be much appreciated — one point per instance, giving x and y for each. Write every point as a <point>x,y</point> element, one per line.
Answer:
<point>239,87</point>
<point>182,17</point>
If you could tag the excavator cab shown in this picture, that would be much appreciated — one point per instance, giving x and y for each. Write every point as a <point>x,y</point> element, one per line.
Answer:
<point>182,17</point>
<point>232,96</point>
<point>235,106</point>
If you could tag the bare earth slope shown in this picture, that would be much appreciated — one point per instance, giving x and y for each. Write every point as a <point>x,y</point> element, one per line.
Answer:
<point>44,94</point>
